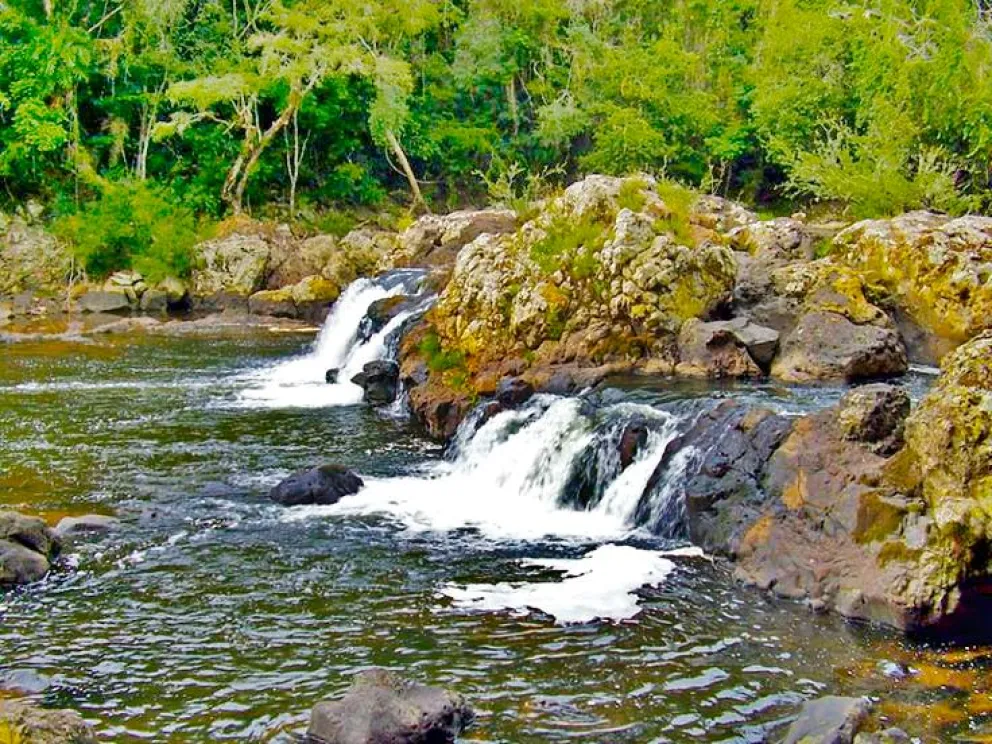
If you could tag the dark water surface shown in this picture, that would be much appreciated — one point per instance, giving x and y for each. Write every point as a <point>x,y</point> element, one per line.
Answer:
<point>209,616</point>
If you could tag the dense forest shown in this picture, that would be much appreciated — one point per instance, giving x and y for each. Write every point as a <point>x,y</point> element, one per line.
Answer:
<point>131,119</point>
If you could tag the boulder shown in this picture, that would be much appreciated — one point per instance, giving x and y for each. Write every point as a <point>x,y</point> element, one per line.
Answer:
<point>331,376</point>
<point>721,215</point>
<point>937,268</point>
<point>31,258</point>
<point>176,292</point>
<point>875,415</point>
<point>381,708</point>
<point>24,723</point>
<point>324,485</point>
<point>380,381</point>
<point>235,263</point>
<point>381,312</point>
<point>512,392</point>
<point>275,303</point>
<point>20,565</point>
<point>292,260</point>
<point>105,301</point>
<point>435,240</point>
<point>826,346</point>
<point>783,237</point>
<point>154,301</point>
<point>30,532</point>
<point>714,350</point>
<point>86,524</point>
<point>828,720</point>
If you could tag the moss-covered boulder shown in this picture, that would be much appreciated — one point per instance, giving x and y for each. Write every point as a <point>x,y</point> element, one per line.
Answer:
<point>938,269</point>
<point>606,268</point>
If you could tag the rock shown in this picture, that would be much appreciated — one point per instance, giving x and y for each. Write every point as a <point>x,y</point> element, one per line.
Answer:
<point>632,439</point>
<point>722,215</point>
<point>828,720</point>
<point>889,736</point>
<point>25,681</point>
<point>435,240</point>
<point>235,263</point>
<point>380,708</point>
<point>30,532</point>
<point>324,485</point>
<point>875,415</point>
<point>314,290</point>
<point>512,392</point>
<point>938,268</point>
<point>275,303</point>
<point>381,312</point>
<point>713,350</point>
<point>176,292</point>
<point>783,237</point>
<point>125,279</point>
<point>760,342</point>
<point>31,258</point>
<point>380,380</point>
<point>828,346</point>
<point>291,261</point>
<point>331,376</point>
<point>23,723</point>
<point>89,523</point>
<point>154,301</point>
<point>102,301</point>
<point>20,565</point>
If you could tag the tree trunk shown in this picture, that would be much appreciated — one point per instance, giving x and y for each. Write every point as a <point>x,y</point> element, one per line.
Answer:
<point>237,178</point>
<point>511,99</point>
<point>418,197</point>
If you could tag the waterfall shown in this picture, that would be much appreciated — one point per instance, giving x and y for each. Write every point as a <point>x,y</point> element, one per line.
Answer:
<point>343,344</point>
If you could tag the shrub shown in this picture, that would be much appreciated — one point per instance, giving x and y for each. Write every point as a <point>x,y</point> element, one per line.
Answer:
<point>131,226</point>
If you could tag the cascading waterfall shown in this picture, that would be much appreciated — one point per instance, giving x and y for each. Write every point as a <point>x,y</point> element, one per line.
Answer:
<point>341,345</point>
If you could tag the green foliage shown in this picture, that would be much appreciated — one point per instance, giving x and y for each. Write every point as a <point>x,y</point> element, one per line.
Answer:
<point>679,201</point>
<point>439,361</point>
<point>571,246</point>
<point>872,108</point>
<point>131,225</point>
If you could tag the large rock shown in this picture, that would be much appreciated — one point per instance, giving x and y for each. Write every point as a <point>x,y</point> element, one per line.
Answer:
<point>939,270</point>
<point>30,532</point>
<point>828,720</point>
<point>828,346</point>
<point>380,708</point>
<point>435,240</point>
<point>875,415</point>
<point>20,565</point>
<point>31,258</point>
<point>716,349</point>
<point>380,381</point>
<point>86,524</point>
<point>113,300</point>
<point>782,237</point>
<point>324,485</point>
<point>235,263</point>
<point>23,723</point>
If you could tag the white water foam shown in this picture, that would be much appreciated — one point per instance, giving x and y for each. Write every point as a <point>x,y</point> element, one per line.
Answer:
<point>600,585</point>
<point>300,382</point>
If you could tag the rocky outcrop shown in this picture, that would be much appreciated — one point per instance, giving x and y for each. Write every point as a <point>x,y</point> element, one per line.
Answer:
<point>380,381</point>
<point>381,708</point>
<point>434,241</point>
<point>23,723</point>
<point>27,546</point>
<point>731,348</point>
<point>31,259</point>
<point>324,485</point>
<point>938,269</point>
<point>236,262</point>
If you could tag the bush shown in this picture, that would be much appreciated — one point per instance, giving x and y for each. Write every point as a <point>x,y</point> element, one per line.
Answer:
<point>131,226</point>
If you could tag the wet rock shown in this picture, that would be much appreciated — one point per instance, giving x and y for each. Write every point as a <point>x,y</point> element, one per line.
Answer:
<point>331,376</point>
<point>380,380</point>
<point>24,723</point>
<point>875,415</point>
<point>714,350</point>
<point>827,346</point>
<point>86,524</point>
<point>513,392</point>
<point>381,708</point>
<point>937,268</point>
<point>20,565</point>
<point>889,736</point>
<point>103,301</point>
<point>381,312</point>
<point>828,720</point>
<point>30,532</point>
<point>324,485</point>
<point>632,439</point>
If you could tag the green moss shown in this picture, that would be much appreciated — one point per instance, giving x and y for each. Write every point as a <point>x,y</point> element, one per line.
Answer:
<point>679,200</point>
<point>631,195</point>
<point>556,323</point>
<point>439,360</point>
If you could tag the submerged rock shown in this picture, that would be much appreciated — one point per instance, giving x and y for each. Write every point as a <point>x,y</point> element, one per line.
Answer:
<point>324,485</point>
<point>331,376</point>
<point>828,720</point>
<point>86,524</point>
<point>23,723</point>
<point>381,708</point>
<point>380,381</point>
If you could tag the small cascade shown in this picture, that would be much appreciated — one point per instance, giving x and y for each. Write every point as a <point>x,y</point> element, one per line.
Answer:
<point>345,344</point>
<point>561,467</point>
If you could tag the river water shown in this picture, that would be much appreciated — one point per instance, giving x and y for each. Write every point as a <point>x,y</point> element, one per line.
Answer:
<point>213,614</point>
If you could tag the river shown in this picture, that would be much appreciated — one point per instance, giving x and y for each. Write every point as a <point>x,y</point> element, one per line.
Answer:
<point>214,614</point>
